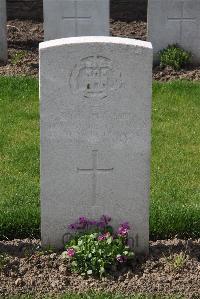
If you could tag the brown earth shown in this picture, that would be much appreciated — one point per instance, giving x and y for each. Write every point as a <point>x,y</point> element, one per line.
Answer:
<point>24,37</point>
<point>173,267</point>
<point>23,40</point>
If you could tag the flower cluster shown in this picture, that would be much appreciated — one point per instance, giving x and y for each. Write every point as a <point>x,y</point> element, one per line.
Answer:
<point>103,237</point>
<point>84,223</point>
<point>123,229</point>
<point>96,247</point>
<point>121,258</point>
<point>70,252</point>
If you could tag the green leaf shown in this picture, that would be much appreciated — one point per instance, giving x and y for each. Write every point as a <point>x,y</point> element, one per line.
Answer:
<point>89,272</point>
<point>109,229</point>
<point>74,263</point>
<point>109,240</point>
<point>92,256</point>
<point>102,270</point>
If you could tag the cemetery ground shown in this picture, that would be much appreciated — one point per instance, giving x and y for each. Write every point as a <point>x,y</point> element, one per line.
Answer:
<point>173,266</point>
<point>24,37</point>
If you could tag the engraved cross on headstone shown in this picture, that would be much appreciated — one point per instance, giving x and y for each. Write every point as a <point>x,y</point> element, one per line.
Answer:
<point>181,20</point>
<point>94,171</point>
<point>76,18</point>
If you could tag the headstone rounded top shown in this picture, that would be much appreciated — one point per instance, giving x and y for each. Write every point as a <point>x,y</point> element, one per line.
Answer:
<point>95,112</point>
<point>94,39</point>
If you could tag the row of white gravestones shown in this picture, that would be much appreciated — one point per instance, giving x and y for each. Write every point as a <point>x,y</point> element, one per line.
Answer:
<point>3,32</point>
<point>174,22</point>
<point>95,95</point>
<point>67,18</point>
<point>169,22</point>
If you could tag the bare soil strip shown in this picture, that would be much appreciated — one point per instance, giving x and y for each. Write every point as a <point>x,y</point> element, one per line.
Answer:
<point>24,37</point>
<point>173,267</point>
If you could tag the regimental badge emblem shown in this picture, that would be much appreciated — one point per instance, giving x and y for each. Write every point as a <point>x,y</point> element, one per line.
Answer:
<point>95,77</point>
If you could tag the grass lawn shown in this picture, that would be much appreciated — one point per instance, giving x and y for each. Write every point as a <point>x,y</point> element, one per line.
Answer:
<point>175,168</point>
<point>19,157</point>
<point>175,171</point>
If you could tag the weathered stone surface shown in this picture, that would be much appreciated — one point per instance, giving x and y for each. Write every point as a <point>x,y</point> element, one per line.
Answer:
<point>95,95</point>
<point>3,32</point>
<point>174,22</point>
<point>66,18</point>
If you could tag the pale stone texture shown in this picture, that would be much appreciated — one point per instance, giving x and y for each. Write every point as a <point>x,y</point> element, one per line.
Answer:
<point>3,32</point>
<point>67,18</point>
<point>95,97</point>
<point>174,21</point>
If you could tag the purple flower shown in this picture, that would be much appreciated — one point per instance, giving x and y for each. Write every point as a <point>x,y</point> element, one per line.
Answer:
<point>83,220</point>
<point>104,236</point>
<point>101,224</point>
<point>125,225</point>
<point>122,232</point>
<point>84,223</point>
<point>76,226</point>
<point>72,226</point>
<point>123,229</point>
<point>121,258</point>
<point>92,222</point>
<point>70,252</point>
<point>80,224</point>
<point>105,218</point>
<point>101,238</point>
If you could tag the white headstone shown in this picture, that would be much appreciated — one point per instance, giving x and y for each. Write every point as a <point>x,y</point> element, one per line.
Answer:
<point>95,95</point>
<point>3,32</point>
<point>174,22</point>
<point>67,18</point>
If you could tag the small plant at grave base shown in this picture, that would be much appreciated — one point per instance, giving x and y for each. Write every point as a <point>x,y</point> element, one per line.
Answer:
<point>177,261</point>
<point>95,248</point>
<point>175,57</point>
<point>17,57</point>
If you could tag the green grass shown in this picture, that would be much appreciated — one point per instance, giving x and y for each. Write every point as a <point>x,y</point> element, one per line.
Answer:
<point>175,171</point>
<point>175,175</point>
<point>19,157</point>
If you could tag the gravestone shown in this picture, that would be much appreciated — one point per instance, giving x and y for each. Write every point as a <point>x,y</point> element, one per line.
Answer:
<point>95,95</point>
<point>174,22</point>
<point>3,32</point>
<point>67,18</point>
